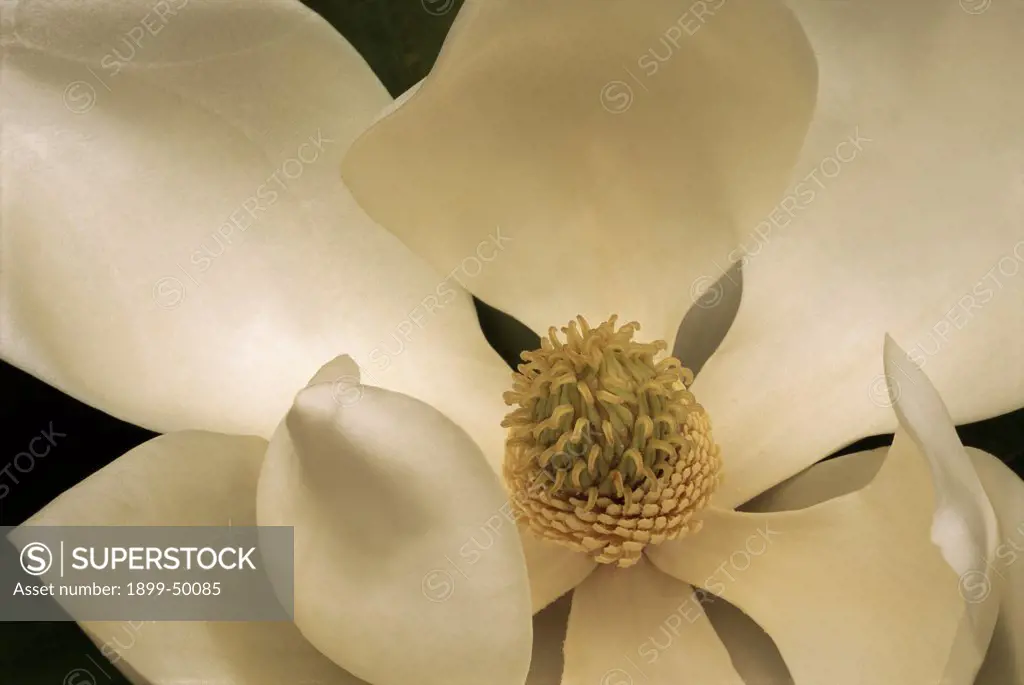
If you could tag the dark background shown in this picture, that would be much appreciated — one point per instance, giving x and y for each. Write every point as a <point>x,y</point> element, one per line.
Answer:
<point>400,39</point>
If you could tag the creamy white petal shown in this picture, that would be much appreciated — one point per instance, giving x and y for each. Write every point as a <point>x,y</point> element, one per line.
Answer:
<point>179,250</point>
<point>640,625</point>
<point>618,147</point>
<point>188,479</point>
<point>553,569</point>
<point>964,526</point>
<point>904,216</point>
<point>827,581</point>
<point>865,555</point>
<point>1004,664</point>
<point>401,539</point>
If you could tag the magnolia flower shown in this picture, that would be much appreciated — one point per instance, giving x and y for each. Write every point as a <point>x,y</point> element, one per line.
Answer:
<point>577,158</point>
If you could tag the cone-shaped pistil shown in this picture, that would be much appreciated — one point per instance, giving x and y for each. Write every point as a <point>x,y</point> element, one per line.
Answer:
<point>607,449</point>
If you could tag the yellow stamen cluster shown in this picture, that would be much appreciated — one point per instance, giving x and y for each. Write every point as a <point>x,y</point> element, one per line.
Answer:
<point>607,450</point>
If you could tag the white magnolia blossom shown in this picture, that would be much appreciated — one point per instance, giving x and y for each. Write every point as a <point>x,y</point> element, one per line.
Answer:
<point>180,252</point>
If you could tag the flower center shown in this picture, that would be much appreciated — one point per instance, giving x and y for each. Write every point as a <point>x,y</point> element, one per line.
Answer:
<point>607,450</point>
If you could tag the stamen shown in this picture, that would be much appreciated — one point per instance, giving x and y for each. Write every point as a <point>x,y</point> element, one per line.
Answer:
<point>617,441</point>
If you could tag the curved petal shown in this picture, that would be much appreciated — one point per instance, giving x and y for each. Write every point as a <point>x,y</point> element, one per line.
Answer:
<point>188,479</point>
<point>553,569</point>
<point>613,147</point>
<point>964,525</point>
<point>401,537</point>
<point>827,580</point>
<point>640,625</point>
<point>178,248</point>
<point>1004,663</point>
<point>905,218</point>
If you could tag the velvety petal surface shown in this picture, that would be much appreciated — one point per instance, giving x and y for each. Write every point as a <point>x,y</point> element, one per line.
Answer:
<point>178,248</point>
<point>964,525</point>
<point>402,539</point>
<point>188,479</point>
<point>852,589</point>
<point>553,569</point>
<point>1004,663</point>
<point>640,625</point>
<point>592,157</point>
<point>904,216</point>
<point>828,579</point>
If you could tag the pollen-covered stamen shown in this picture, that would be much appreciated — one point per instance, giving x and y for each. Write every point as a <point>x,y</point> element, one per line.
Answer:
<point>607,449</point>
